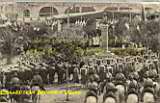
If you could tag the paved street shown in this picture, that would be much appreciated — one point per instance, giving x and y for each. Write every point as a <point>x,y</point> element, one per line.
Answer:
<point>61,98</point>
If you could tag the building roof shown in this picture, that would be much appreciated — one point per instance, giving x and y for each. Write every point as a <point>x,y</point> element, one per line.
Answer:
<point>96,1</point>
<point>81,1</point>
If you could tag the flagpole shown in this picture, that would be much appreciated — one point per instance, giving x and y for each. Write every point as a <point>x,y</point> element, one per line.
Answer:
<point>68,19</point>
<point>130,15</point>
<point>143,13</point>
<point>113,15</point>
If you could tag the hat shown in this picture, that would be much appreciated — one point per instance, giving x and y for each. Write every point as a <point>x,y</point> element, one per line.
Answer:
<point>93,85</point>
<point>133,83</point>
<point>44,64</point>
<point>43,68</point>
<point>111,86</point>
<point>148,82</point>
<point>36,72</point>
<point>15,74</point>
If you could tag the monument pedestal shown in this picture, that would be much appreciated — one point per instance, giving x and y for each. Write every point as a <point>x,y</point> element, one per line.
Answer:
<point>103,38</point>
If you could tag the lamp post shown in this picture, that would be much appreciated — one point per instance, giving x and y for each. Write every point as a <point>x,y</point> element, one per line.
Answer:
<point>67,77</point>
<point>107,37</point>
<point>113,26</point>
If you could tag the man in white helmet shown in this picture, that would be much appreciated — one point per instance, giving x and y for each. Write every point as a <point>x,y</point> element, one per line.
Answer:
<point>92,90</point>
<point>120,78</point>
<point>148,86</point>
<point>133,86</point>
<point>110,91</point>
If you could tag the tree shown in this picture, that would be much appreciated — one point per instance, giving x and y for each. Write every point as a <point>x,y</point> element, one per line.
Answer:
<point>122,31</point>
<point>12,43</point>
<point>148,34</point>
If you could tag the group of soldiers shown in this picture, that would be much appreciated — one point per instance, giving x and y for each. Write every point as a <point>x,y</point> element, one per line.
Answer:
<point>100,74</point>
<point>135,73</point>
<point>14,81</point>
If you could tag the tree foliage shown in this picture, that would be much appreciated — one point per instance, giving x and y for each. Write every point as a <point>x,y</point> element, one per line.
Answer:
<point>148,34</point>
<point>12,43</point>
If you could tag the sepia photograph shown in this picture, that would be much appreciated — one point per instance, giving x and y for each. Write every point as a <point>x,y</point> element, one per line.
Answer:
<point>79,51</point>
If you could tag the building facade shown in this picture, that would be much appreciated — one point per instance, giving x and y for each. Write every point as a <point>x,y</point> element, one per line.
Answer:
<point>35,9</point>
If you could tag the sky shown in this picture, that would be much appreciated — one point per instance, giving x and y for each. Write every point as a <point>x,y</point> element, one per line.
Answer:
<point>137,0</point>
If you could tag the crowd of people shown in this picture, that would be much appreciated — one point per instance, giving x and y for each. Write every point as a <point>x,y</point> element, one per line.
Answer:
<point>99,75</point>
<point>110,76</point>
<point>132,75</point>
